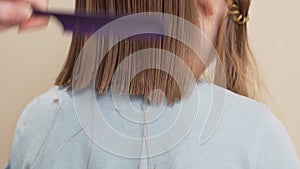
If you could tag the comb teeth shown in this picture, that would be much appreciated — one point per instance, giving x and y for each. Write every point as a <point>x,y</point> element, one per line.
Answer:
<point>89,24</point>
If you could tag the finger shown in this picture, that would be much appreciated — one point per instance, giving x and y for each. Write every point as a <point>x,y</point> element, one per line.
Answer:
<point>4,26</point>
<point>14,12</point>
<point>37,4</point>
<point>34,22</point>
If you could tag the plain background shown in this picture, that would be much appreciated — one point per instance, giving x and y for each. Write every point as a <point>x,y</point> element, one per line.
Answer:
<point>30,61</point>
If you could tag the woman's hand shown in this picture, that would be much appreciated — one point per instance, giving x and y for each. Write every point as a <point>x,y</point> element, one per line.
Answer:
<point>19,13</point>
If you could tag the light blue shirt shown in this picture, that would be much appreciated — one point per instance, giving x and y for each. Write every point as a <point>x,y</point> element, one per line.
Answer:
<point>248,136</point>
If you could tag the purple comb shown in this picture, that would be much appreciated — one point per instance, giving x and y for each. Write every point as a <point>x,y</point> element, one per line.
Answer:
<point>88,24</point>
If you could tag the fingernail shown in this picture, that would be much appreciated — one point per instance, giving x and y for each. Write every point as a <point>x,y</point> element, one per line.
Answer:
<point>27,11</point>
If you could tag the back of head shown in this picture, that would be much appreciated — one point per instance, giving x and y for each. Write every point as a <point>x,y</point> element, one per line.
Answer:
<point>231,44</point>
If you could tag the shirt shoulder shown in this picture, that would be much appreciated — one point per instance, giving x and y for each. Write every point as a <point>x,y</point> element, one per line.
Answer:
<point>41,106</point>
<point>33,126</point>
<point>253,128</point>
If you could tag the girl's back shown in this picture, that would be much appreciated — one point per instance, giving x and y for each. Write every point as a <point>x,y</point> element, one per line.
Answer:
<point>50,134</point>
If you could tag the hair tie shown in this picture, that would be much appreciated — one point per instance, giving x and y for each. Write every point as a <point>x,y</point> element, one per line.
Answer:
<point>237,16</point>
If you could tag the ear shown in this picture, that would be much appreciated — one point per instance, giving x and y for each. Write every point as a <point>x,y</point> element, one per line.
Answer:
<point>207,7</point>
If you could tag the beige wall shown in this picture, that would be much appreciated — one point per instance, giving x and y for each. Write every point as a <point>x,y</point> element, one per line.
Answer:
<point>275,34</point>
<point>29,63</point>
